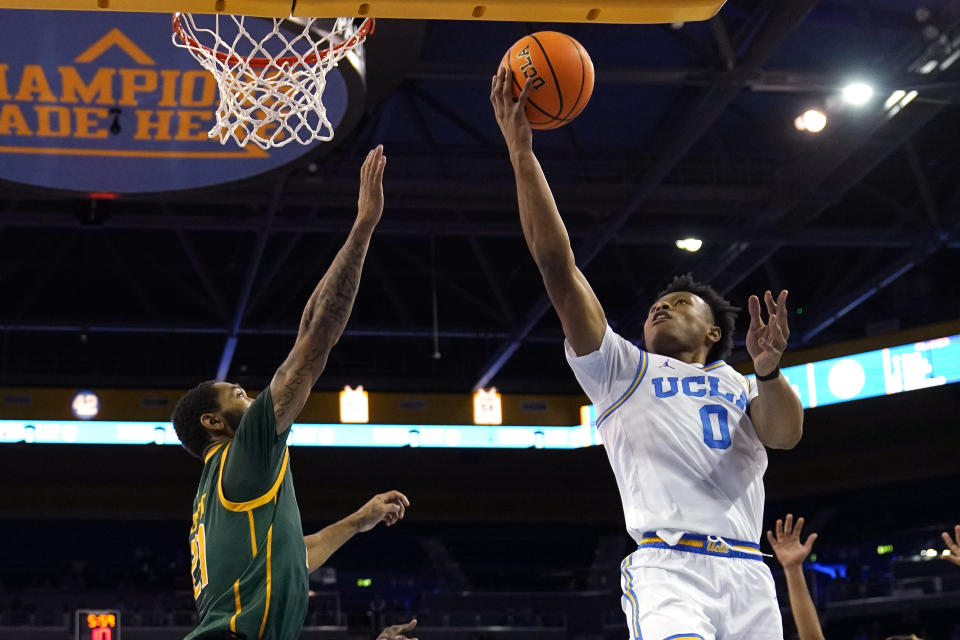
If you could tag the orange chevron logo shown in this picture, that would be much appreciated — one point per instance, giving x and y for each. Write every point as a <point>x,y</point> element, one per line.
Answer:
<point>115,38</point>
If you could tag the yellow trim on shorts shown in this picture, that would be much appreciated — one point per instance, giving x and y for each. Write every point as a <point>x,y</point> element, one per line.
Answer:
<point>688,543</point>
<point>632,597</point>
<point>251,504</point>
<point>746,549</point>
<point>699,545</point>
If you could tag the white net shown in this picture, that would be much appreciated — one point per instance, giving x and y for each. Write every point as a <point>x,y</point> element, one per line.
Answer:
<point>271,80</point>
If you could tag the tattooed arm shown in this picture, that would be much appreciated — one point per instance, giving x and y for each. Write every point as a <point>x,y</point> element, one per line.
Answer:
<point>328,309</point>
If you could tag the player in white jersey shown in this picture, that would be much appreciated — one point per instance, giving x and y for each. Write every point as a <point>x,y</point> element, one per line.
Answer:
<point>684,432</point>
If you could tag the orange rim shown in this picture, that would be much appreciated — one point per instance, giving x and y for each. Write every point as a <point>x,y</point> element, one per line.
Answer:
<point>259,63</point>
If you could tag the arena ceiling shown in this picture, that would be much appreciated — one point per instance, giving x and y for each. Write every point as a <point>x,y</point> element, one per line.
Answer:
<point>689,133</point>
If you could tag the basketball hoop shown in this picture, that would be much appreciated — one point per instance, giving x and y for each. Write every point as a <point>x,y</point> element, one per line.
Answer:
<point>271,86</point>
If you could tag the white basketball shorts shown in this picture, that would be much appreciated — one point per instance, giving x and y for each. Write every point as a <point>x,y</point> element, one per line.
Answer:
<point>702,588</point>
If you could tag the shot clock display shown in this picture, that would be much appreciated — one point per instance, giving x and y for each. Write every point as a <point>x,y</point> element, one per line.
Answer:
<point>100,624</point>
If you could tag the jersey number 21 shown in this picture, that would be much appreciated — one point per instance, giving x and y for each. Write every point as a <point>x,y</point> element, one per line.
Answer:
<point>198,560</point>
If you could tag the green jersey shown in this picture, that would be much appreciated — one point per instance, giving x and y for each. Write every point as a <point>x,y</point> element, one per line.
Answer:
<point>249,561</point>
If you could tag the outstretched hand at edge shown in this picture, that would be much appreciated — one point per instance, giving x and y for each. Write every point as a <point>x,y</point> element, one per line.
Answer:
<point>398,631</point>
<point>953,545</point>
<point>786,544</point>
<point>370,201</point>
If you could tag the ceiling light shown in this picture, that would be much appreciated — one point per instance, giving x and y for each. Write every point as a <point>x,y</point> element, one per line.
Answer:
<point>811,120</point>
<point>929,66</point>
<point>949,60</point>
<point>689,244</point>
<point>857,93</point>
<point>894,98</point>
<point>898,100</point>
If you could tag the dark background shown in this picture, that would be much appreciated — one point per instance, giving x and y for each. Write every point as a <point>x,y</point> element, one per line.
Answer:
<point>898,450</point>
<point>689,132</point>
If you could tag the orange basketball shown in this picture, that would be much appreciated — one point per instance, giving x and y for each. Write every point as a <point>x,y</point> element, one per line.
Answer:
<point>562,75</point>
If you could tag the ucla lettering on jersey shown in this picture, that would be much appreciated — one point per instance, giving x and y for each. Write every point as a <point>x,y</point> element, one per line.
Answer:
<point>696,387</point>
<point>679,439</point>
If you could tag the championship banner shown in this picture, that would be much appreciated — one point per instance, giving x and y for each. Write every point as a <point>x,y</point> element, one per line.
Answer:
<point>104,102</point>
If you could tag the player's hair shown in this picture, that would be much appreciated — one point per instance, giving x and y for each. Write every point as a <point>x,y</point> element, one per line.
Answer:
<point>203,398</point>
<point>724,313</point>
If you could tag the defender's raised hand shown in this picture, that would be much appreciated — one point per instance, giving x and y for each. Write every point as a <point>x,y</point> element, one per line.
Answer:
<point>389,508</point>
<point>370,202</point>
<point>766,342</point>
<point>511,113</point>
<point>953,545</point>
<point>397,631</point>
<point>786,544</point>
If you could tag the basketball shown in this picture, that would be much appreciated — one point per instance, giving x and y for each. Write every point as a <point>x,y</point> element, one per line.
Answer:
<point>562,75</point>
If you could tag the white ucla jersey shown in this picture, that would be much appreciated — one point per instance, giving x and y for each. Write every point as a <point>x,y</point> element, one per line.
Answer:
<point>678,436</point>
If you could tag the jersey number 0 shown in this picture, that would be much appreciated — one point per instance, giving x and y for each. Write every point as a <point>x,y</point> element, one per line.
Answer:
<point>716,431</point>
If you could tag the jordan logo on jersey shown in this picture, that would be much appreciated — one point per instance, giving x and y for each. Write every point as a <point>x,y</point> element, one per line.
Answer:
<point>696,387</point>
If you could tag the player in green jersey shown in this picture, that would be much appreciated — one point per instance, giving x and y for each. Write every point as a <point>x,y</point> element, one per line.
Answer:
<point>250,559</point>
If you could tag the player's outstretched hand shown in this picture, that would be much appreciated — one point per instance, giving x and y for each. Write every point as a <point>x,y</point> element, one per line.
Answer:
<point>953,544</point>
<point>397,631</point>
<point>786,544</point>
<point>511,113</point>
<point>370,202</point>
<point>767,342</point>
<point>389,508</point>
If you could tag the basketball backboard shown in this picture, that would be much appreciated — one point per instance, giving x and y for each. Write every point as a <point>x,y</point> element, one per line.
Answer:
<point>604,11</point>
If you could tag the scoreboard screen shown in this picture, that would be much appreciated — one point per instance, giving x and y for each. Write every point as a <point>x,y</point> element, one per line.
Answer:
<point>889,371</point>
<point>99,624</point>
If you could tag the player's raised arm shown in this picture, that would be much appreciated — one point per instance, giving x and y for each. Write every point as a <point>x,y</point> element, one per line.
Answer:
<point>791,554</point>
<point>580,312</point>
<point>388,508</point>
<point>328,308</point>
<point>776,412</point>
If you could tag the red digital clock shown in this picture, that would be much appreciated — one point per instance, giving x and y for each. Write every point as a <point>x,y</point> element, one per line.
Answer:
<point>99,624</point>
